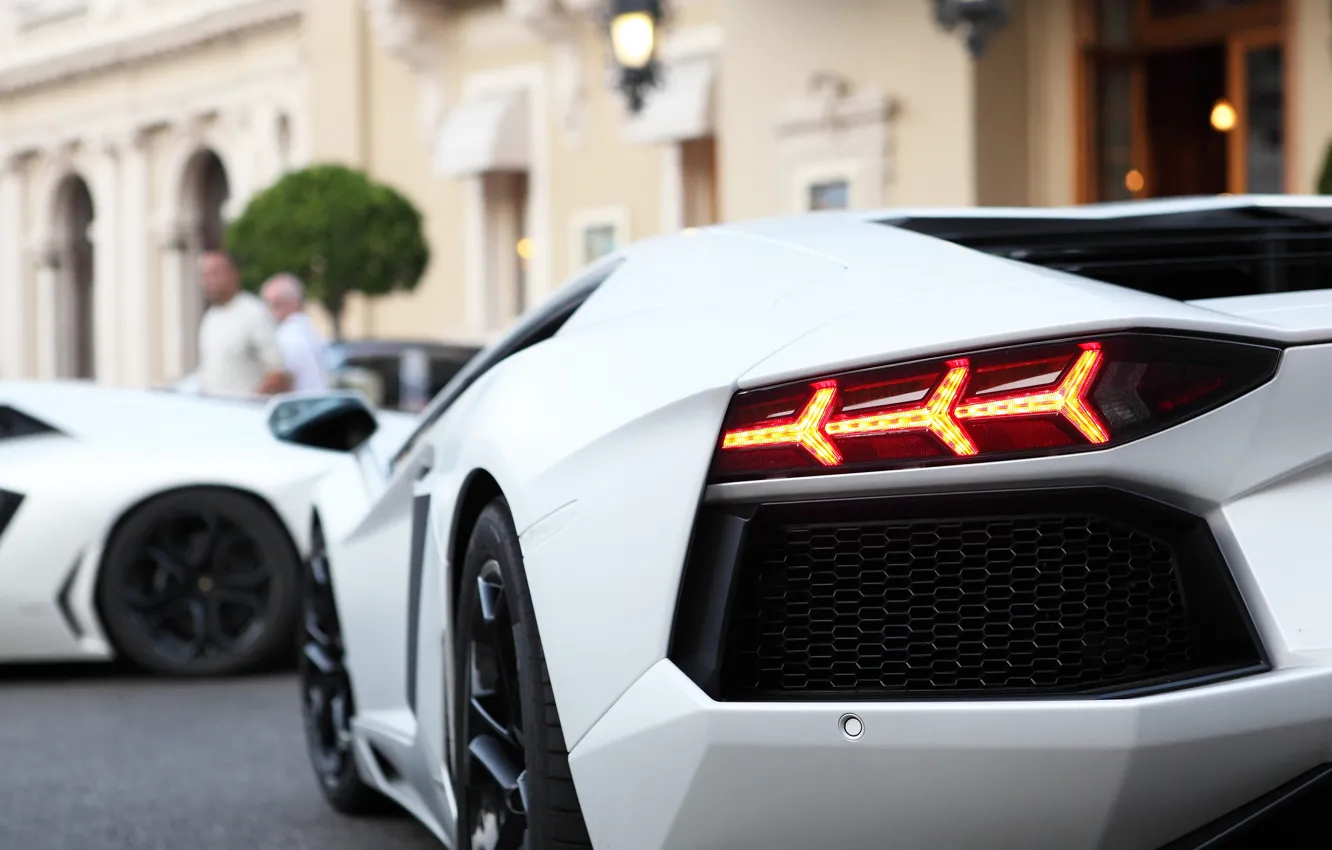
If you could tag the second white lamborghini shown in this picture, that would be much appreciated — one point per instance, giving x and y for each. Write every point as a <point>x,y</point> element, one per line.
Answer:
<point>161,529</point>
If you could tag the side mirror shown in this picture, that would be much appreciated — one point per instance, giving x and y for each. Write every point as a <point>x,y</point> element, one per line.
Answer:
<point>339,422</point>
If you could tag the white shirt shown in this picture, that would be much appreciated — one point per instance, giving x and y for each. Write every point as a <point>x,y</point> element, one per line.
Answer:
<point>303,350</point>
<point>238,346</point>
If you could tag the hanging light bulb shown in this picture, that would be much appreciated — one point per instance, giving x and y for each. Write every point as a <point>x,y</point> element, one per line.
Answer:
<point>1224,116</point>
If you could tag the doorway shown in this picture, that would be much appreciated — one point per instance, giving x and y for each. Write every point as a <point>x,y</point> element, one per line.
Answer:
<point>1188,155</point>
<point>1182,98</point>
<point>75,320</point>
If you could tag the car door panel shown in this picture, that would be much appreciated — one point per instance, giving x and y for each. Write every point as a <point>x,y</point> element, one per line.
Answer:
<point>373,580</point>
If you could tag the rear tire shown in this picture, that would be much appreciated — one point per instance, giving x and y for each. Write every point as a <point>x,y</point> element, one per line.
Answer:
<point>200,582</point>
<point>503,729</point>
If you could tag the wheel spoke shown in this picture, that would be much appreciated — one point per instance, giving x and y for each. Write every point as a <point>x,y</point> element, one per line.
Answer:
<point>518,797</point>
<point>204,543</point>
<point>318,633</point>
<point>166,566</point>
<point>488,718</point>
<point>493,756</point>
<point>491,593</point>
<point>248,579</point>
<point>153,599</point>
<point>320,659</point>
<point>214,626</point>
<point>188,639</point>
<point>318,570</point>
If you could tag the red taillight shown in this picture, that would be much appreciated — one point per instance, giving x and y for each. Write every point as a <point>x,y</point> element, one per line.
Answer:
<point>1013,402</point>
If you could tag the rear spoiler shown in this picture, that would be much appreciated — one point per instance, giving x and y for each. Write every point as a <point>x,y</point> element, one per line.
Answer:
<point>1187,254</point>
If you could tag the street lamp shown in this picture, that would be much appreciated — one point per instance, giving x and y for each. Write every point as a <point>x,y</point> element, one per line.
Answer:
<point>633,26</point>
<point>983,18</point>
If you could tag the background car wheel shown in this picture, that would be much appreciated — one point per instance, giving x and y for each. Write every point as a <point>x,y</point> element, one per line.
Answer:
<point>327,704</point>
<point>200,582</point>
<point>514,786</point>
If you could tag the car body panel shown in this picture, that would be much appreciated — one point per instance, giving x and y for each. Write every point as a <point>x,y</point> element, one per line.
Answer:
<point>1113,773</point>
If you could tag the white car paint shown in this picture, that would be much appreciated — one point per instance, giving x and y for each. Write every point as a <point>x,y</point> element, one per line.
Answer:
<point>114,449</point>
<point>600,439</point>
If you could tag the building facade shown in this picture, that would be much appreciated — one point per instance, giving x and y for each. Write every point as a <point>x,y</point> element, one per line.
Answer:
<point>770,107</point>
<point>130,130</point>
<point>502,120</point>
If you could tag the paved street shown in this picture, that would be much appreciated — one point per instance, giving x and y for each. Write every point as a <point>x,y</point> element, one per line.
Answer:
<point>95,761</point>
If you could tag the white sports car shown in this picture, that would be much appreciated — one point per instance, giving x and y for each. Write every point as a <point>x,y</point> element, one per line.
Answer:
<point>938,529</point>
<point>163,529</point>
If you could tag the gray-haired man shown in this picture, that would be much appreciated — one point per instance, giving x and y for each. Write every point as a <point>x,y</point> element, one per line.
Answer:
<point>301,344</point>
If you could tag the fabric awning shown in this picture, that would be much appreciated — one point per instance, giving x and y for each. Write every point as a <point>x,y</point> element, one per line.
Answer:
<point>681,107</point>
<point>485,134</point>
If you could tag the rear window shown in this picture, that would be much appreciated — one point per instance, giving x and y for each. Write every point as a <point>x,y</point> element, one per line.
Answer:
<point>1185,256</point>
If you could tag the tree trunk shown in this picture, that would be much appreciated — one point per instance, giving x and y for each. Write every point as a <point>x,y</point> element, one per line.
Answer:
<point>335,305</point>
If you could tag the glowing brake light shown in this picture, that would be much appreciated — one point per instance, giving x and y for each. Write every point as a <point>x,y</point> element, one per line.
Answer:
<point>806,431</point>
<point>1021,401</point>
<point>1069,399</point>
<point>935,416</point>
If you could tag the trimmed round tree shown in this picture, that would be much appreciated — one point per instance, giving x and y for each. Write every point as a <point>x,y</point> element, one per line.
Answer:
<point>337,230</point>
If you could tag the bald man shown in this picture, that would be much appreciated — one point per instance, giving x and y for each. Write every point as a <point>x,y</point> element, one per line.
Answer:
<point>301,344</point>
<point>238,347</point>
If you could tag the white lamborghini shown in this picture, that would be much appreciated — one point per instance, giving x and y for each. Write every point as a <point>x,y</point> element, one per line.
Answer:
<point>157,528</point>
<point>930,530</point>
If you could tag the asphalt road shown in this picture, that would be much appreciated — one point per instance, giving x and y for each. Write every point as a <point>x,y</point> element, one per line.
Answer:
<point>91,760</point>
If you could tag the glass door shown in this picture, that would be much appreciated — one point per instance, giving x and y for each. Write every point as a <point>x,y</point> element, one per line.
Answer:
<point>1256,141</point>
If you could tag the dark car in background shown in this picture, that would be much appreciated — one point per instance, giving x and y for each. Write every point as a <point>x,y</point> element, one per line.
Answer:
<point>396,374</point>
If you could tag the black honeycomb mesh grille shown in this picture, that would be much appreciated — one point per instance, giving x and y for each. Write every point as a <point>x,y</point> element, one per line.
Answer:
<point>1043,604</point>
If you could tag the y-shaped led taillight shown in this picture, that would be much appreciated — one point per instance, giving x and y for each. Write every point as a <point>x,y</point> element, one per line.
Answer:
<point>1013,402</point>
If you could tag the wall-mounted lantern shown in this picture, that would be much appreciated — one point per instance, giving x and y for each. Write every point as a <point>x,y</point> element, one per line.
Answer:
<point>982,19</point>
<point>633,28</point>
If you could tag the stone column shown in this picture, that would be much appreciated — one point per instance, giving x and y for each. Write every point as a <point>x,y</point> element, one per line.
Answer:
<point>16,319</point>
<point>237,149</point>
<point>172,274</point>
<point>107,238</point>
<point>263,145</point>
<point>46,267</point>
<point>672,189</point>
<point>138,315</point>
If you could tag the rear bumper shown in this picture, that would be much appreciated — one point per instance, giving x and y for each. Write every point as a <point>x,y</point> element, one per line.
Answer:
<point>667,767</point>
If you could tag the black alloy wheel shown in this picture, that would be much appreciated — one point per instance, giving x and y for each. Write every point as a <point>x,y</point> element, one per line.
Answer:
<point>511,766</point>
<point>497,748</point>
<point>327,704</point>
<point>200,582</point>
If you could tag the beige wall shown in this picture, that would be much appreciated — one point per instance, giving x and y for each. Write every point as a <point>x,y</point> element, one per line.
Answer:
<point>1311,24</point>
<point>1024,109</point>
<point>209,67</point>
<point>774,46</point>
<point>1003,115</point>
